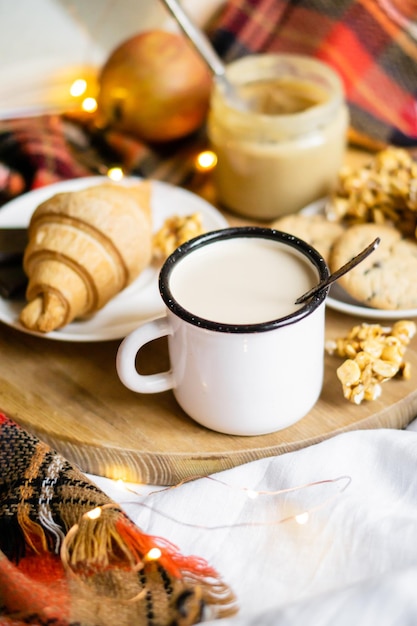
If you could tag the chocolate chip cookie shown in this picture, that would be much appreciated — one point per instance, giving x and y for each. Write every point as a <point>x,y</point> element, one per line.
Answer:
<point>387,279</point>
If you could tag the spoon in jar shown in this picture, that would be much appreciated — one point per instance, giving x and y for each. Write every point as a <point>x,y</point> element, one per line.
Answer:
<point>340,272</point>
<point>203,46</point>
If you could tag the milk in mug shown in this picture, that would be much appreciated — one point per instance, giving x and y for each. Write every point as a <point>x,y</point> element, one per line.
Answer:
<point>242,281</point>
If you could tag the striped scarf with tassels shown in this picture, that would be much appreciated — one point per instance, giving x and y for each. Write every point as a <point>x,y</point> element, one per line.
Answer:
<point>70,556</point>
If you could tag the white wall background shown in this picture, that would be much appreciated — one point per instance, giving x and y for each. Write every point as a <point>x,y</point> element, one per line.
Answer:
<point>43,43</point>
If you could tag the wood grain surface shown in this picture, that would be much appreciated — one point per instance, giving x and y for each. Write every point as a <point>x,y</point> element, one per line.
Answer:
<point>70,396</point>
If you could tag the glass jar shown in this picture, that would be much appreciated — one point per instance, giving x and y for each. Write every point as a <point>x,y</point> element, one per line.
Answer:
<point>286,150</point>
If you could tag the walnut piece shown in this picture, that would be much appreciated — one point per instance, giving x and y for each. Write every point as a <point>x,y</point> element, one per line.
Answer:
<point>175,231</point>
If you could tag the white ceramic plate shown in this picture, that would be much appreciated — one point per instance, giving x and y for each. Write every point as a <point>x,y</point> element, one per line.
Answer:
<point>341,301</point>
<point>140,301</point>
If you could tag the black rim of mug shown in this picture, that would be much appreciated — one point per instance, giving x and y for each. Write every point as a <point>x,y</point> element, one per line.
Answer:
<point>235,232</point>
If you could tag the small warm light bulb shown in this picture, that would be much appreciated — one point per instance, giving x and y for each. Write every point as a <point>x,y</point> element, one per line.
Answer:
<point>78,87</point>
<point>206,161</point>
<point>94,513</point>
<point>153,554</point>
<point>302,518</point>
<point>251,494</point>
<point>89,105</point>
<point>115,173</point>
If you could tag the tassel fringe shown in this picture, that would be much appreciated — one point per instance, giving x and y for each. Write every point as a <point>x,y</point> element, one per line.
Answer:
<point>106,538</point>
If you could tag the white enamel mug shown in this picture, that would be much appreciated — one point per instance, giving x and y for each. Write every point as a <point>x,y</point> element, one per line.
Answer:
<point>244,359</point>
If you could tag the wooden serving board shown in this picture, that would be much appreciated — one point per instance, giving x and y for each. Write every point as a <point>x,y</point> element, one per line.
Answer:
<point>70,396</point>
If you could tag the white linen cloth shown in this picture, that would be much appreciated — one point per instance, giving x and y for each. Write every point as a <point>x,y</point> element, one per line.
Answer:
<point>354,562</point>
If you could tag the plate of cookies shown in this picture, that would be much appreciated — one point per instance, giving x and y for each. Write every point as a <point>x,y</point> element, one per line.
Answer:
<point>375,200</point>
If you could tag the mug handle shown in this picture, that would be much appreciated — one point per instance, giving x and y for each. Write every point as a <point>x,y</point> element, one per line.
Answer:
<point>126,358</point>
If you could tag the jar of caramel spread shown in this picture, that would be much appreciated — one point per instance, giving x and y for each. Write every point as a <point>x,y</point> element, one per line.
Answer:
<point>285,147</point>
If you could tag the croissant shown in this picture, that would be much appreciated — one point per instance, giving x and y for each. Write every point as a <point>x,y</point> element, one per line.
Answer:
<point>83,248</point>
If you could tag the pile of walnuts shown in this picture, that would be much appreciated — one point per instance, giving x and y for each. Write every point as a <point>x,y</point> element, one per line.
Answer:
<point>384,192</point>
<point>373,354</point>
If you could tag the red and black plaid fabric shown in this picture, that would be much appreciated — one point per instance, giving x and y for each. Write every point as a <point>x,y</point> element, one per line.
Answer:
<point>368,42</point>
<point>69,556</point>
<point>41,150</point>
<point>34,153</point>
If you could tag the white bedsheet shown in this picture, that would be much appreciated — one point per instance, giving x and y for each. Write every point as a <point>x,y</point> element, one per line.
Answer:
<point>354,562</point>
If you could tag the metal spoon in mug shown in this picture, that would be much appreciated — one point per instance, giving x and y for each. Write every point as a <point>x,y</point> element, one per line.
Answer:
<point>340,272</point>
<point>207,52</point>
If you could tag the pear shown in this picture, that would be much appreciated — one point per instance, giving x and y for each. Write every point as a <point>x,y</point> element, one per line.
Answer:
<point>154,86</point>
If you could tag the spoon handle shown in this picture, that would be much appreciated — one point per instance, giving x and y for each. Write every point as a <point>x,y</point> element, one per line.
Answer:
<point>197,37</point>
<point>340,272</point>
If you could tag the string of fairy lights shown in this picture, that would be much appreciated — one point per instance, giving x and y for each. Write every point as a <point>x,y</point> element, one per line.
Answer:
<point>301,518</point>
<point>204,162</point>
<point>252,494</point>
<point>154,553</point>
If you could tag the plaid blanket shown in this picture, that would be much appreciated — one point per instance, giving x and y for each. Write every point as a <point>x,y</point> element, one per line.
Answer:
<point>38,151</point>
<point>70,556</point>
<point>368,42</point>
